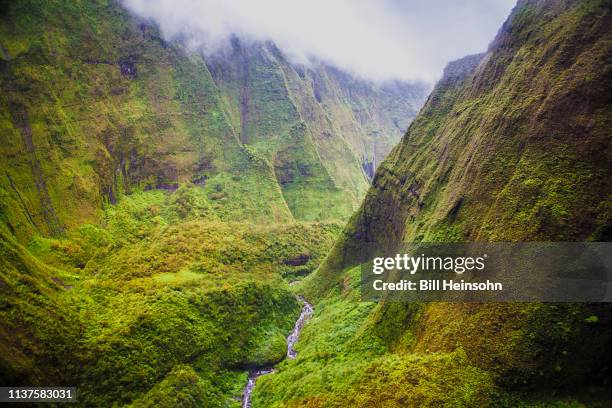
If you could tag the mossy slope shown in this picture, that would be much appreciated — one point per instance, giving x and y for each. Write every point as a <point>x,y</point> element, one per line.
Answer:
<point>97,104</point>
<point>512,145</point>
<point>148,204</point>
<point>162,301</point>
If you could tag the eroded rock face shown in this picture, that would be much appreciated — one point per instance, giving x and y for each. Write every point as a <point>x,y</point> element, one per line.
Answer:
<point>299,260</point>
<point>128,68</point>
<point>163,116</point>
<point>510,146</point>
<point>458,70</point>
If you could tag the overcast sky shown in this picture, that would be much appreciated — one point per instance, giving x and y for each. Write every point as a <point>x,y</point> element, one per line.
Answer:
<point>377,39</point>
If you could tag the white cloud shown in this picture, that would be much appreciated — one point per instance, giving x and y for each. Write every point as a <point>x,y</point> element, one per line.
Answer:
<point>377,39</point>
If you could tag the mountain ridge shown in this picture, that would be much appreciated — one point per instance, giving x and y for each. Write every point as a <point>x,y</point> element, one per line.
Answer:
<point>154,208</point>
<point>512,146</point>
<point>155,203</point>
<point>186,115</point>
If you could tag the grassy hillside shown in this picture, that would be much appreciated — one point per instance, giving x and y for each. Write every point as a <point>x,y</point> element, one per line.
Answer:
<point>97,104</point>
<point>512,145</point>
<point>155,202</point>
<point>318,126</point>
<point>159,293</point>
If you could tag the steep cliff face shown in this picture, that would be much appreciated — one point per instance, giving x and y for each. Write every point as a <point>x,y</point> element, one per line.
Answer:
<point>319,174</point>
<point>512,145</point>
<point>321,128</point>
<point>152,201</point>
<point>96,105</point>
<point>104,107</point>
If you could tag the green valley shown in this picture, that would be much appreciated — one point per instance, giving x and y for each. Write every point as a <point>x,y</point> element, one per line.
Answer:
<point>154,202</point>
<point>165,210</point>
<point>501,151</point>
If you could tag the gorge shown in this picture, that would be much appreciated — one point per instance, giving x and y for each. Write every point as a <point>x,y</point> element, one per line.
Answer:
<point>292,339</point>
<point>174,223</point>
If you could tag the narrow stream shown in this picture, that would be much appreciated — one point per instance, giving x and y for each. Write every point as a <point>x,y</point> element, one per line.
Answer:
<point>307,311</point>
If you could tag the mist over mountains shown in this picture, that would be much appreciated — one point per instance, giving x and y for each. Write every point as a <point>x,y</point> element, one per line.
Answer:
<point>377,40</point>
<point>182,183</point>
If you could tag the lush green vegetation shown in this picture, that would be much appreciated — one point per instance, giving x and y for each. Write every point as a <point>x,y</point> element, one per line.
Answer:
<point>356,353</point>
<point>154,205</point>
<point>343,361</point>
<point>97,104</point>
<point>161,302</point>
<point>512,145</point>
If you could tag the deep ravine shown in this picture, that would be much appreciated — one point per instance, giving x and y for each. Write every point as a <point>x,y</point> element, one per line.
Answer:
<point>292,339</point>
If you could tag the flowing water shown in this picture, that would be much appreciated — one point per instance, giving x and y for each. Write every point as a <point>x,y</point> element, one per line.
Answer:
<point>307,311</point>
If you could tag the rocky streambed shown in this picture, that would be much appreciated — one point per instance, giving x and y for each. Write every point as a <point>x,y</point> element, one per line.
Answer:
<point>292,339</point>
